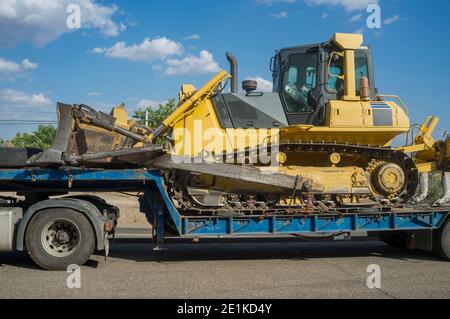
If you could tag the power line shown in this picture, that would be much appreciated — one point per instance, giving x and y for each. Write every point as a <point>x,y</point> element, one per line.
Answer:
<point>18,120</point>
<point>30,123</point>
<point>26,122</point>
<point>41,122</point>
<point>24,111</point>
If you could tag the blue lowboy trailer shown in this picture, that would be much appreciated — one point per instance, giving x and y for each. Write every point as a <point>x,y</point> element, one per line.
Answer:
<point>58,227</point>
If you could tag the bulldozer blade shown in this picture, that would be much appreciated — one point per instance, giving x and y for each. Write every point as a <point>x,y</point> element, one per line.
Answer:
<point>96,144</point>
<point>60,145</point>
<point>236,172</point>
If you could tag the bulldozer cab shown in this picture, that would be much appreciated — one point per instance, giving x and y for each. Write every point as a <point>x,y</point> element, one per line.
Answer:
<point>307,77</point>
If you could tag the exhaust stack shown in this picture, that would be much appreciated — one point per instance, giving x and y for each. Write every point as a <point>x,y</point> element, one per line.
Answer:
<point>233,72</point>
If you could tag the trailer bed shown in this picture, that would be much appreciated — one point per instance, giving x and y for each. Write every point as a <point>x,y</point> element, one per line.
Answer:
<point>151,183</point>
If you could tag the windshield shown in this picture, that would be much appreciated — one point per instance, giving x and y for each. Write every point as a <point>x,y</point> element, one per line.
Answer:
<point>298,81</point>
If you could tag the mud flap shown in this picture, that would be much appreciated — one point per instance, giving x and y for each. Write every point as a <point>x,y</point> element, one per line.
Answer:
<point>106,246</point>
<point>421,240</point>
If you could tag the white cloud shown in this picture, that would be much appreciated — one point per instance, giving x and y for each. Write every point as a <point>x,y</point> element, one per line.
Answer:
<point>164,50</point>
<point>192,37</point>
<point>349,5</point>
<point>149,50</point>
<point>10,70</point>
<point>94,94</point>
<point>391,20</point>
<point>43,21</point>
<point>144,103</point>
<point>10,98</point>
<point>27,64</point>
<point>271,2</point>
<point>280,15</point>
<point>325,15</point>
<point>263,84</point>
<point>157,67</point>
<point>18,105</point>
<point>193,65</point>
<point>356,18</point>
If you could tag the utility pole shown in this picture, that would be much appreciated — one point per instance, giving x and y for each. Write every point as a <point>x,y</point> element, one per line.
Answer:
<point>146,117</point>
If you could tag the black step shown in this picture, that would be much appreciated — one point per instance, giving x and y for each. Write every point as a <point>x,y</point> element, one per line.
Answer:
<point>12,157</point>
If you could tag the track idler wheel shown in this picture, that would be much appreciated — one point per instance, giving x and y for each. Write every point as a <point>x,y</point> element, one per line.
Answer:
<point>389,179</point>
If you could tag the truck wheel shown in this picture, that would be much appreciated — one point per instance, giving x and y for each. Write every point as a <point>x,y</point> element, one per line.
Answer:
<point>57,238</point>
<point>441,241</point>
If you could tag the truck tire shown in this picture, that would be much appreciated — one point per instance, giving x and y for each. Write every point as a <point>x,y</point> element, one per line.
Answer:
<point>441,241</point>
<point>11,157</point>
<point>58,237</point>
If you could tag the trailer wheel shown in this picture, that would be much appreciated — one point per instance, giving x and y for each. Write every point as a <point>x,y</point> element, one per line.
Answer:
<point>441,241</point>
<point>57,238</point>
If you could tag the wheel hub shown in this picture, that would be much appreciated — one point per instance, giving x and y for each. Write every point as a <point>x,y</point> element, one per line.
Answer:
<point>60,238</point>
<point>389,179</point>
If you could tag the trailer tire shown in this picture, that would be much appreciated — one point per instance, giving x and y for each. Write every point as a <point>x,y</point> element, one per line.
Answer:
<point>441,241</point>
<point>58,237</point>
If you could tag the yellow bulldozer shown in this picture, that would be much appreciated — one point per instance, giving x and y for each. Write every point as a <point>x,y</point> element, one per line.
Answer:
<point>321,140</point>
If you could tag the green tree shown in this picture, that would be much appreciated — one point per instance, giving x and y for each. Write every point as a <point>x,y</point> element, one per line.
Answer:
<point>41,138</point>
<point>155,115</point>
<point>2,142</point>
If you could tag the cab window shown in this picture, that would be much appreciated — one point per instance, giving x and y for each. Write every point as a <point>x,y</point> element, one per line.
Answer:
<point>361,69</point>
<point>336,70</point>
<point>335,82</point>
<point>298,81</point>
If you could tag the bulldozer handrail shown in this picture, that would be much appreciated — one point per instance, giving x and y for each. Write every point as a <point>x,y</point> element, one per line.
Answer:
<point>389,96</point>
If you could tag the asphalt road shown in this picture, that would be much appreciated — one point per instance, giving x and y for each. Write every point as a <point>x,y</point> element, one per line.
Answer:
<point>248,269</point>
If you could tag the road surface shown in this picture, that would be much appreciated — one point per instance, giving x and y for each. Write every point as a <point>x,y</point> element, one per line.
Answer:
<point>248,269</point>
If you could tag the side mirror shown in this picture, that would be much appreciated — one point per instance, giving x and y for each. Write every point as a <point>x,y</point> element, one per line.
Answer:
<point>272,64</point>
<point>285,65</point>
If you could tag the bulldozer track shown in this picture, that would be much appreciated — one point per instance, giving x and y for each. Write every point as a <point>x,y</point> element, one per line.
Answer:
<point>372,153</point>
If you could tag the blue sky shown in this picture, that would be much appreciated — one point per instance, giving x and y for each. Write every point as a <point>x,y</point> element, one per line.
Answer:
<point>140,52</point>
